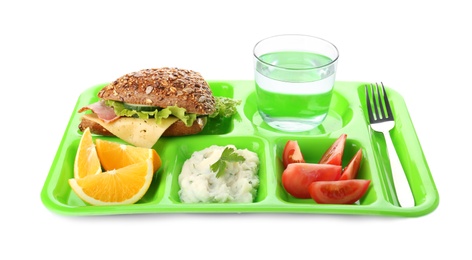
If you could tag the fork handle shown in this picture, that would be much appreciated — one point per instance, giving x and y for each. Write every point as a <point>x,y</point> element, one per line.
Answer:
<point>402,187</point>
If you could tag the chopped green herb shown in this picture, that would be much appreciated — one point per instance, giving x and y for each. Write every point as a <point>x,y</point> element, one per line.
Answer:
<point>228,155</point>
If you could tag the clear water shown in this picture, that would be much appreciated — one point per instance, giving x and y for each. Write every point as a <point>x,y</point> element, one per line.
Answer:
<point>292,95</point>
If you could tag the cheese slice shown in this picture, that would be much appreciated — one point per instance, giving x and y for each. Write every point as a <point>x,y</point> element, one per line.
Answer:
<point>136,131</point>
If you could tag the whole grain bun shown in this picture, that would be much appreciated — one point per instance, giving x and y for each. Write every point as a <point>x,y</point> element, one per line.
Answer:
<point>176,129</point>
<point>163,87</point>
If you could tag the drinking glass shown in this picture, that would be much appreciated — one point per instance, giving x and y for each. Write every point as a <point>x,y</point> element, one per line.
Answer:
<point>294,77</point>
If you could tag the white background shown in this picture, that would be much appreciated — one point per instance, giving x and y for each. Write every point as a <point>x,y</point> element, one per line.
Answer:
<point>51,51</point>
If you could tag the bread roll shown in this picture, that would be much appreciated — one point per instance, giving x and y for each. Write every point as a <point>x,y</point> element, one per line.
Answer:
<point>163,87</point>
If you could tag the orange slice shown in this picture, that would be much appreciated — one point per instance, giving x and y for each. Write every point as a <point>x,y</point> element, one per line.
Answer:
<point>86,160</point>
<point>113,155</point>
<point>116,187</point>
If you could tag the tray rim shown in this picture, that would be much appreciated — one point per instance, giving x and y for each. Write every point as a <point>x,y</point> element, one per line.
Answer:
<point>429,203</point>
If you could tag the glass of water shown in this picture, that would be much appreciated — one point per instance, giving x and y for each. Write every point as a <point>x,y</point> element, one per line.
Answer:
<point>294,76</point>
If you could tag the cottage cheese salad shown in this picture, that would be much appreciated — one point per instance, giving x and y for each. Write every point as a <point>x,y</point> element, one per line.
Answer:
<point>219,174</point>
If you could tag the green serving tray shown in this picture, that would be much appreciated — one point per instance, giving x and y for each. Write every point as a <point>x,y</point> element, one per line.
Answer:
<point>247,130</point>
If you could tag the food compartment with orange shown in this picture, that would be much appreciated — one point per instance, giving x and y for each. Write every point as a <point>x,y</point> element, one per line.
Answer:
<point>247,130</point>
<point>111,173</point>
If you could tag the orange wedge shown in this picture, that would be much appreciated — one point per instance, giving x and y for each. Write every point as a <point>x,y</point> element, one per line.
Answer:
<point>114,155</point>
<point>122,186</point>
<point>86,160</point>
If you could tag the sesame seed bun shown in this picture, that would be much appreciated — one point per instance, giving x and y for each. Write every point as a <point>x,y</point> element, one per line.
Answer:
<point>163,87</point>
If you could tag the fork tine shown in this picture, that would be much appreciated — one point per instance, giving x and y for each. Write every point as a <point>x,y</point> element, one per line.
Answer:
<point>378,106</point>
<point>369,106</point>
<point>387,104</point>
<point>380,112</point>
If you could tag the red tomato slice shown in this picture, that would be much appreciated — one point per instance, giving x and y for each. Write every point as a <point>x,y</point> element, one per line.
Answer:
<point>292,153</point>
<point>350,172</point>
<point>338,192</point>
<point>298,176</point>
<point>334,154</point>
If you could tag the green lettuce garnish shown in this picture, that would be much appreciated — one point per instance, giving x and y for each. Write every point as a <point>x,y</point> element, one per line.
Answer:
<point>158,114</point>
<point>225,107</point>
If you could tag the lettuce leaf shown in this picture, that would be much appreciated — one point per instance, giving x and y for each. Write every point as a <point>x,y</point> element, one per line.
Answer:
<point>225,107</point>
<point>157,114</point>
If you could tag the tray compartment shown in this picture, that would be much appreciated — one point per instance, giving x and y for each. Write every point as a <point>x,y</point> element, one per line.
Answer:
<point>187,146</point>
<point>339,116</point>
<point>64,195</point>
<point>314,155</point>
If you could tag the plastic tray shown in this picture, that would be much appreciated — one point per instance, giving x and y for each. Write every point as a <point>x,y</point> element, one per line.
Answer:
<point>247,130</point>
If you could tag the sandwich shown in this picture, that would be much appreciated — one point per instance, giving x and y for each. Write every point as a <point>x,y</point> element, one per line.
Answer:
<point>142,106</point>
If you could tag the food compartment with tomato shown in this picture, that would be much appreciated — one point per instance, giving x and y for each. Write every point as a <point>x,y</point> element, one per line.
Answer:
<point>328,161</point>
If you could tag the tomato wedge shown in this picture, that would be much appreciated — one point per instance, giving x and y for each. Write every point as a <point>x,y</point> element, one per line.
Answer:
<point>298,176</point>
<point>334,154</point>
<point>350,172</point>
<point>338,192</point>
<point>292,153</point>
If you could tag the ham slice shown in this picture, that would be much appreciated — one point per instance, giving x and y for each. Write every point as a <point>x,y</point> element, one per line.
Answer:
<point>105,113</point>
